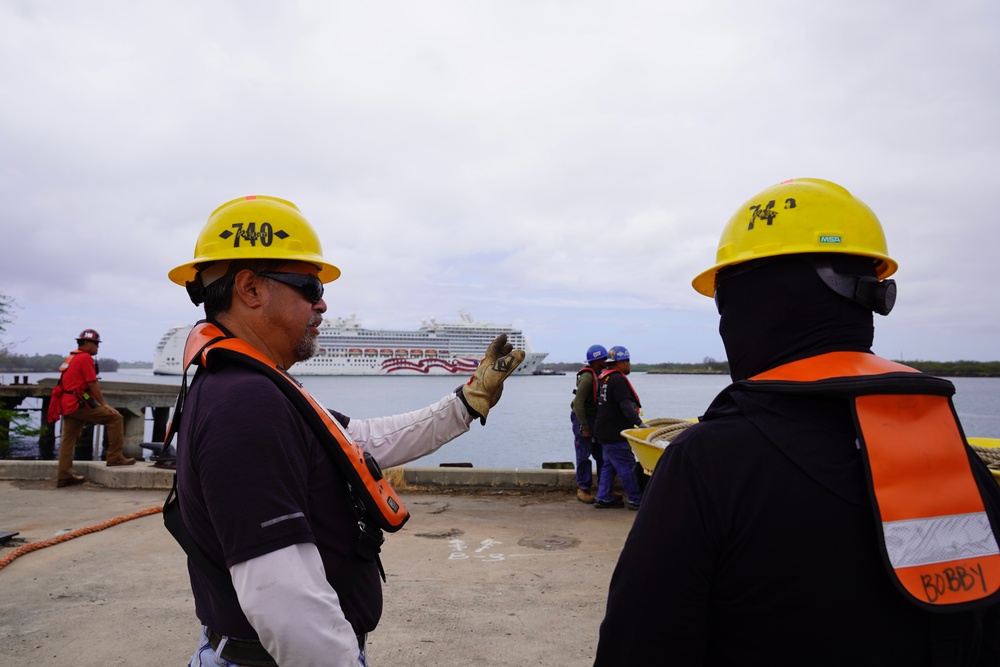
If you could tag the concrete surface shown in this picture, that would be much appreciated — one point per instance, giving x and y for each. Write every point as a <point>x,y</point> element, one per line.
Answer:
<point>143,475</point>
<point>474,578</point>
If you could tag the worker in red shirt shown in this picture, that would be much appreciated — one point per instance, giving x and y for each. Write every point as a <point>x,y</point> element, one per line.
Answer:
<point>79,402</point>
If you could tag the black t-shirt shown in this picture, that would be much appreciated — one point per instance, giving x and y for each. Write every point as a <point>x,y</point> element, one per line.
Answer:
<point>754,550</point>
<point>254,479</point>
<point>617,408</point>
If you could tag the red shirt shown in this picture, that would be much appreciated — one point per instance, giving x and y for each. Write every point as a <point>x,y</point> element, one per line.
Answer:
<point>80,373</point>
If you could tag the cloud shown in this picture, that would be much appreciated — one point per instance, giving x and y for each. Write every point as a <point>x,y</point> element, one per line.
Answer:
<point>565,167</point>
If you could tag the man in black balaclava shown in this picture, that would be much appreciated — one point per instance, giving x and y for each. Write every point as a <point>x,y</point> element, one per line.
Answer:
<point>781,310</point>
<point>790,526</point>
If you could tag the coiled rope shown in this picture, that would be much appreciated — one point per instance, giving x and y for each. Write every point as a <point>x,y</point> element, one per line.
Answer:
<point>669,428</point>
<point>989,455</point>
<point>34,546</point>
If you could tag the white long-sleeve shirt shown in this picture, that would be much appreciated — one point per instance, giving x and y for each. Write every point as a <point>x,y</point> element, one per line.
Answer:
<point>285,594</point>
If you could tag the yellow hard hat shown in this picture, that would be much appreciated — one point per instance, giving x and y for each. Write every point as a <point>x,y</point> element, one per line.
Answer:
<point>256,227</point>
<point>802,215</point>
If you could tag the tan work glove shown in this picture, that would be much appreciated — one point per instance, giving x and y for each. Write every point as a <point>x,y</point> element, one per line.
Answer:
<point>483,389</point>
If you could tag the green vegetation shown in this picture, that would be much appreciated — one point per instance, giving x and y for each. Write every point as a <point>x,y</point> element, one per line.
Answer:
<point>6,303</point>
<point>957,368</point>
<point>46,363</point>
<point>707,367</point>
<point>12,422</point>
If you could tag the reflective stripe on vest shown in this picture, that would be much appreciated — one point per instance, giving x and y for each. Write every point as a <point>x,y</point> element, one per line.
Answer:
<point>384,507</point>
<point>937,537</point>
<point>66,362</point>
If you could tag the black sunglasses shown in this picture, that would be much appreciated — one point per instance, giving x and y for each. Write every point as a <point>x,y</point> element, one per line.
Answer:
<point>310,286</point>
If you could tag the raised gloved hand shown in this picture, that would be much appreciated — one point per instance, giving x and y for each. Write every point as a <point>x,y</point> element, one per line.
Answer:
<point>483,389</point>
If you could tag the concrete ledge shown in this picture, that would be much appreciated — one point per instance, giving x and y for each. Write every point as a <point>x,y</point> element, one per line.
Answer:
<point>27,469</point>
<point>492,478</point>
<point>144,476</point>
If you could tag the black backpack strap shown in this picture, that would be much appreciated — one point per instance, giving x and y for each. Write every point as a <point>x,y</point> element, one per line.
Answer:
<point>172,519</point>
<point>366,550</point>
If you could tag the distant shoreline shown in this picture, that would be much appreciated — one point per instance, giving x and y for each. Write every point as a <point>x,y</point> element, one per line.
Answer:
<point>986,369</point>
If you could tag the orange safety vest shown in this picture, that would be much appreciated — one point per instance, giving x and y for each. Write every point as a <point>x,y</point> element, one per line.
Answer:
<point>55,398</point>
<point>207,345</point>
<point>65,364</point>
<point>936,537</point>
<point>593,388</point>
<point>608,372</point>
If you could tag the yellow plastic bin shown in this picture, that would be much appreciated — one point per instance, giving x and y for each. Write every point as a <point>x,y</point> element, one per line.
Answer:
<point>649,442</point>
<point>647,453</point>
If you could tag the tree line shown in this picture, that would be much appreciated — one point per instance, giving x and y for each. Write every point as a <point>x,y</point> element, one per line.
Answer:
<point>961,368</point>
<point>45,363</point>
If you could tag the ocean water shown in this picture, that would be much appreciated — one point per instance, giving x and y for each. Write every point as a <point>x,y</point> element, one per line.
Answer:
<point>530,425</point>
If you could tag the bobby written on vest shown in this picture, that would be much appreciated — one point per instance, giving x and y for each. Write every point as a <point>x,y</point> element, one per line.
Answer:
<point>936,536</point>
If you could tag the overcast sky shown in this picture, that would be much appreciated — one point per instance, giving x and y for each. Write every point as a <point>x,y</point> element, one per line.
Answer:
<point>565,167</point>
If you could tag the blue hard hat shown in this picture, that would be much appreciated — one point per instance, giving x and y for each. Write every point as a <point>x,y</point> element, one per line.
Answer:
<point>595,352</point>
<point>618,353</point>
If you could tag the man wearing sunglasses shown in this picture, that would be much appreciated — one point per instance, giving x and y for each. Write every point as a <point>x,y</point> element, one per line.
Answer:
<point>77,398</point>
<point>826,509</point>
<point>284,566</point>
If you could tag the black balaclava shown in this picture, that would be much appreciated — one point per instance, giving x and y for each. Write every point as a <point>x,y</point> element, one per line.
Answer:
<point>780,310</point>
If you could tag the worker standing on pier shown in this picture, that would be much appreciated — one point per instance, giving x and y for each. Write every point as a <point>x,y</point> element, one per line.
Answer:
<point>77,398</point>
<point>617,409</point>
<point>582,416</point>
<point>283,500</point>
<point>826,510</point>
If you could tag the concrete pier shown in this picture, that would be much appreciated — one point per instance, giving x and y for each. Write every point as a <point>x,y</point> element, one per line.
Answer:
<point>130,399</point>
<point>478,576</point>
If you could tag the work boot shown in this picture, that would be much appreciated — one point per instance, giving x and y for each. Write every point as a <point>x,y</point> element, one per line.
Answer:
<point>70,481</point>
<point>122,461</point>
<point>585,496</point>
<point>614,503</point>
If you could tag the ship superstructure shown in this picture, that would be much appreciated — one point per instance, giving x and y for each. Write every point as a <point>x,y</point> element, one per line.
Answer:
<point>347,348</point>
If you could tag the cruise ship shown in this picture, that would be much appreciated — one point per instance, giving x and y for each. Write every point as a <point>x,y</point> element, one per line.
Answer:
<point>347,348</point>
